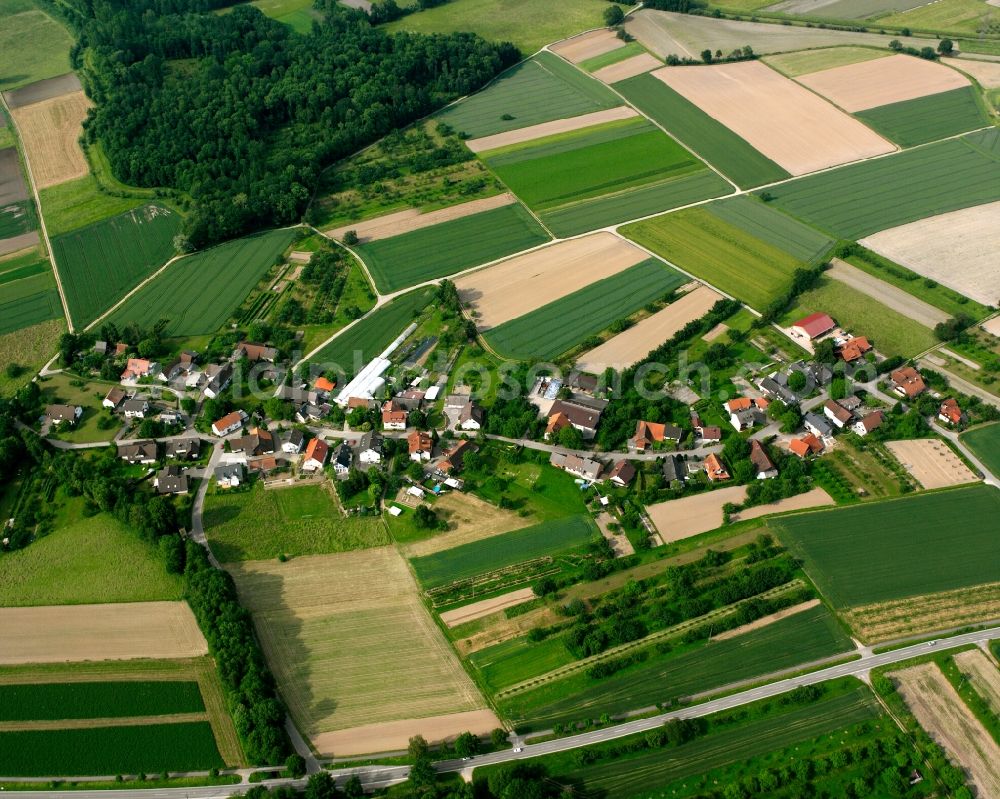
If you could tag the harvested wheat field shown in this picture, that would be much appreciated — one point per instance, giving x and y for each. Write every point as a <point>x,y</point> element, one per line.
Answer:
<point>484,607</point>
<point>932,462</point>
<point>945,717</point>
<point>771,618</point>
<point>957,249</point>
<point>884,621</point>
<point>384,227</point>
<point>786,122</point>
<point>626,348</point>
<point>815,498</point>
<point>992,326</point>
<point>66,633</point>
<point>50,131</point>
<point>469,519</point>
<point>986,72</point>
<point>588,45</point>
<point>525,282</point>
<point>889,295</point>
<point>543,129</point>
<point>353,649</point>
<point>682,518</point>
<point>629,68</point>
<point>869,84</point>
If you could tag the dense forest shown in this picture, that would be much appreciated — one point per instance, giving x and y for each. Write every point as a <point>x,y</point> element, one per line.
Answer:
<point>241,113</point>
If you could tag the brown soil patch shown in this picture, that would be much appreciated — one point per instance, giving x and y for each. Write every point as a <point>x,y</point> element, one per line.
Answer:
<point>810,499</point>
<point>784,121</point>
<point>884,621</point>
<point>384,227</point>
<point>626,348</point>
<point>620,544</point>
<point>715,332</point>
<point>43,90</point>
<point>81,724</point>
<point>484,607</point>
<point>526,282</point>
<point>392,736</point>
<point>629,68</point>
<point>986,72</point>
<point>469,519</point>
<point>764,621</point>
<point>887,294</point>
<point>983,674</point>
<point>682,518</point>
<point>12,185</point>
<point>50,131</point>
<point>992,326</point>
<point>588,45</point>
<point>932,462</point>
<point>945,717</point>
<point>65,633</point>
<point>16,243</point>
<point>869,84</point>
<point>544,129</point>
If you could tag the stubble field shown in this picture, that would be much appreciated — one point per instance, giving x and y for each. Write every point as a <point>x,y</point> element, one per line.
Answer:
<point>49,132</point>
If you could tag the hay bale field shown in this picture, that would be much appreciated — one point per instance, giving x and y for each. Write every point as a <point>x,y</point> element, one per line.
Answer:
<point>588,45</point>
<point>779,118</point>
<point>49,131</point>
<point>57,633</point>
<point>555,127</point>
<point>355,653</point>
<point>682,518</point>
<point>931,462</point>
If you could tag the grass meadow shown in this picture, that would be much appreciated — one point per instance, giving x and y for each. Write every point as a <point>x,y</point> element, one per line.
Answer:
<point>199,293</point>
<point>899,548</point>
<point>769,224</point>
<point>95,700</point>
<point>301,520</point>
<point>553,329</point>
<point>101,263</point>
<point>450,247</point>
<point>946,16</point>
<point>929,118</point>
<point>78,203</point>
<point>985,444</point>
<point>710,139</point>
<point>33,46</point>
<point>30,347</point>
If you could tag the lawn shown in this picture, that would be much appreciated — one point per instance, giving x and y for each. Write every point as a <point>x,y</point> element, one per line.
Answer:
<point>798,639</point>
<point>529,25</point>
<point>33,46</point>
<point>66,388</point>
<point>891,332</point>
<point>143,749</point>
<point>860,199</point>
<point>541,89</point>
<point>630,50</point>
<point>985,444</point>
<point>540,540</point>
<point>719,253</point>
<point>101,263</point>
<point>29,348</point>
<point>301,520</point>
<point>553,329</point>
<point>80,202</point>
<point>929,118</point>
<point>807,61</point>
<point>198,294</point>
<point>771,225</point>
<point>450,247</point>
<point>944,16</point>
<point>898,548</point>
<point>710,139</point>
<point>28,301</point>
<point>95,700</point>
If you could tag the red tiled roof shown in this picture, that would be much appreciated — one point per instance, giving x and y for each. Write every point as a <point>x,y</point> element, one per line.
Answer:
<point>317,450</point>
<point>816,324</point>
<point>855,348</point>
<point>419,442</point>
<point>322,384</point>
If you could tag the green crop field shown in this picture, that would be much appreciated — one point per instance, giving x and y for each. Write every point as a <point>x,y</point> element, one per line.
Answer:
<point>861,199</point>
<point>21,266</point>
<point>985,444</point>
<point>518,659</point>
<point>719,253</point>
<point>199,293</point>
<point>806,61</point>
<point>33,46</point>
<point>78,203</point>
<point>946,16</point>
<point>97,700</point>
<point>712,140</point>
<point>541,89</point>
<point>143,749</point>
<point>769,224</point>
<point>929,118</point>
<point>450,247</point>
<point>18,218</point>
<point>539,540</point>
<point>101,263</point>
<point>798,639</point>
<point>354,348</point>
<point>301,520</point>
<point>553,329</point>
<point>899,548</point>
<point>630,50</point>
<point>891,332</point>
<point>28,301</point>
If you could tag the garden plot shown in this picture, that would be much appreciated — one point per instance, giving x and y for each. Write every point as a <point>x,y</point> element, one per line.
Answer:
<point>50,131</point>
<point>787,123</point>
<point>626,348</point>
<point>887,294</point>
<point>957,249</point>
<point>868,84</point>
<point>588,45</point>
<point>629,68</point>
<point>552,128</point>
<point>526,282</point>
<point>688,516</point>
<point>931,462</point>
<point>64,633</point>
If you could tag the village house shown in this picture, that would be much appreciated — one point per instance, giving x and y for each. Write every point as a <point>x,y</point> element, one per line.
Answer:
<point>343,458</point>
<point>580,381</point>
<point>622,473</point>
<point>254,352</point>
<point>854,349</point>
<point>871,421</point>
<point>307,412</point>
<point>229,423</point>
<point>907,382</point>
<point>292,441</point>
<point>170,480</point>
<point>56,415</point>
<point>584,418</point>
<point>470,417</point>
<point>715,469</point>
<point>813,326</point>
<point>229,475</point>
<point>317,451</point>
<point>762,461</point>
<point>114,398</point>
<point>297,394</point>
<point>707,434</point>
<point>183,448</point>
<point>649,433</point>
<point>950,412</point>
<point>746,412</point>
<point>454,458</point>
<point>420,446</point>
<point>263,464</point>
<point>138,452</point>
<point>256,442</point>
<point>138,368</point>
<point>806,445</point>
<point>393,416</point>
<point>323,386</point>
<point>454,402</point>
<point>586,468</point>
<point>370,448</point>
<point>135,408</point>
<point>219,377</point>
<point>837,413</point>
<point>770,387</point>
<point>675,469</point>
<point>818,425</point>
<point>410,399</point>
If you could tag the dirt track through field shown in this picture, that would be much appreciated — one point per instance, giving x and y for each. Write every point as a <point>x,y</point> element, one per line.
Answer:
<point>469,519</point>
<point>778,117</point>
<point>65,633</point>
<point>869,84</point>
<point>931,462</point>
<point>526,282</point>
<point>986,72</point>
<point>943,714</point>
<point>544,129</point>
<point>983,674</point>
<point>887,294</point>
<point>395,224</point>
<point>588,45</point>
<point>626,348</point>
<point>771,618</point>
<point>50,131</point>
<point>484,607</point>
<point>957,249</point>
<point>629,68</point>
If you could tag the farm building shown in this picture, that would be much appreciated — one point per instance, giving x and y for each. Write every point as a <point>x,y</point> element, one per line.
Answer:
<point>812,326</point>
<point>57,414</point>
<point>649,433</point>
<point>583,417</point>
<point>907,382</point>
<point>315,456</point>
<point>411,399</point>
